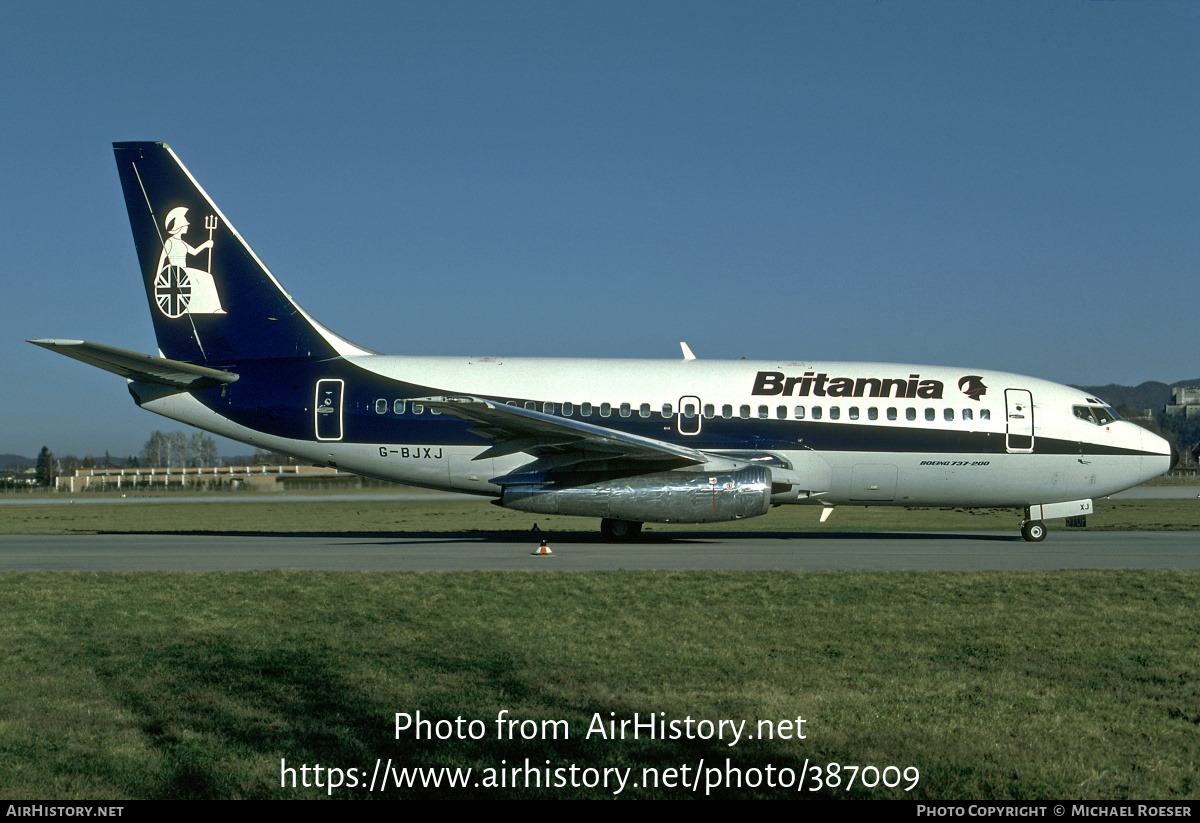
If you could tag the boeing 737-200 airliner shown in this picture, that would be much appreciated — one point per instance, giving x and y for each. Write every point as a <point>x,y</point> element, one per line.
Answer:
<point>628,441</point>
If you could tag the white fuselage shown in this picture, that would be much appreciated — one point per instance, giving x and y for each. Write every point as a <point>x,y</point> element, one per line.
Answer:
<point>1018,442</point>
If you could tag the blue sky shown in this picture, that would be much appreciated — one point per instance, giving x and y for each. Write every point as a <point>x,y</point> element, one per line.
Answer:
<point>995,185</point>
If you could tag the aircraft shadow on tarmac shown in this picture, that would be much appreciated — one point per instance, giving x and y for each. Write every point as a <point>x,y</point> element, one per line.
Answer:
<point>575,538</point>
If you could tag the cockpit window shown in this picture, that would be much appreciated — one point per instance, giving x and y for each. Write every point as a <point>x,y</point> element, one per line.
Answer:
<point>1100,415</point>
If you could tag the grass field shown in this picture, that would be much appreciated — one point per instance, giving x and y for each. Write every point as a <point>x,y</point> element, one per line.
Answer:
<point>1031,685</point>
<point>1038,685</point>
<point>267,514</point>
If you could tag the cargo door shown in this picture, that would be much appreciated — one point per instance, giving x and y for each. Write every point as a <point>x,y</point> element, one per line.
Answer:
<point>873,481</point>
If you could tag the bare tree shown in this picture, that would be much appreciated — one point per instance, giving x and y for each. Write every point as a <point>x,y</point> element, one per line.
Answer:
<point>201,450</point>
<point>155,450</point>
<point>208,451</point>
<point>176,448</point>
<point>192,457</point>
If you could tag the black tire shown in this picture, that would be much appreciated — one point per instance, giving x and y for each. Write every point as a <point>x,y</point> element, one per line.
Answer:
<point>620,531</point>
<point>1034,531</point>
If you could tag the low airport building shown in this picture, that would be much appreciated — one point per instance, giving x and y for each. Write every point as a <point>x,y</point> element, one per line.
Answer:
<point>257,478</point>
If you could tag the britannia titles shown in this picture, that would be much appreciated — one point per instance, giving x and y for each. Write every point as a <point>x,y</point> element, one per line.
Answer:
<point>822,385</point>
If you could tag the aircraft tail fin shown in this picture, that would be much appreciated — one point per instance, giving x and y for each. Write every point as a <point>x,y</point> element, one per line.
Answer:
<point>211,298</point>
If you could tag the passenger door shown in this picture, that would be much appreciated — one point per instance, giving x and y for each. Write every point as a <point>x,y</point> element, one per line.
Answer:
<point>327,410</point>
<point>1019,416</point>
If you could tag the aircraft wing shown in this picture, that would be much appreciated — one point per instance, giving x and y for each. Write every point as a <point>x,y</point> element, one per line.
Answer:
<point>137,366</point>
<point>560,443</point>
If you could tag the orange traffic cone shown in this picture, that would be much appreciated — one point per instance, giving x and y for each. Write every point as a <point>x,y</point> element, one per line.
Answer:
<point>542,550</point>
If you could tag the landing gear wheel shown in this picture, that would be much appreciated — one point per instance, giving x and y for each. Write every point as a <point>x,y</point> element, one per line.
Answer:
<point>620,531</point>
<point>1034,531</point>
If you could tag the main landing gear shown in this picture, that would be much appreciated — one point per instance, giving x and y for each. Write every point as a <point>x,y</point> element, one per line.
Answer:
<point>1033,530</point>
<point>620,531</point>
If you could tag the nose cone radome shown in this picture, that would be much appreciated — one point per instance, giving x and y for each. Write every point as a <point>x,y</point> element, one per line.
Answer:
<point>1161,455</point>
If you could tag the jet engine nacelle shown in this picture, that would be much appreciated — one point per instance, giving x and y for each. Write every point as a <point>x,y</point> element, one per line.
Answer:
<point>666,497</point>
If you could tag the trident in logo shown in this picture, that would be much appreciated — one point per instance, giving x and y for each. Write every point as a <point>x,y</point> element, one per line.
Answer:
<point>210,223</point>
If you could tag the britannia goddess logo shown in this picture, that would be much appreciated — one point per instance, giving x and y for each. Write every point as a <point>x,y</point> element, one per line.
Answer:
<point>178,288</point>
<point>972,386</point>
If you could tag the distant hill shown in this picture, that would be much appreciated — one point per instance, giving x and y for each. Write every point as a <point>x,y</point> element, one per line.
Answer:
<point>7,460</point>
<point>1148,395</point>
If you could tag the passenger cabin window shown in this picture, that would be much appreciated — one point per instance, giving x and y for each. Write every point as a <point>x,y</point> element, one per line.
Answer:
<point>418,408</point>
<point>709,411</point>
<point>854,412</point>
<point>744,412</point>
<point>727,411</point>
<point>568,409</point>
<point>891,413</point>
<point>799,411</point>
<point>930,414</point>
<point>586,410</point>
<point>872,413</point>
<point>398,407</point>
<point>625,410</point>
<point>644,410</point>
<point>605,409</point>
<point>689,410</point>
<point>667,410</point>
<point>949,415</point>
<point>763,412</point>
<point>381,406</point>
<point>835,412</point>
<point>781,412</point>
<point>910,413</point>
<point>531,405</point>
<point>816,412</point>
<point>985,414</point>
<point>548,408</point>
<point>967,414</point>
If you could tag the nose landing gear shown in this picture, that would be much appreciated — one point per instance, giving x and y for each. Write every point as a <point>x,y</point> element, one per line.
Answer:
<point>1033,530</point>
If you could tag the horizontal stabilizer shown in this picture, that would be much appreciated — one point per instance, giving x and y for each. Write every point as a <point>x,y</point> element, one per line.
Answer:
<point>137,366</point>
